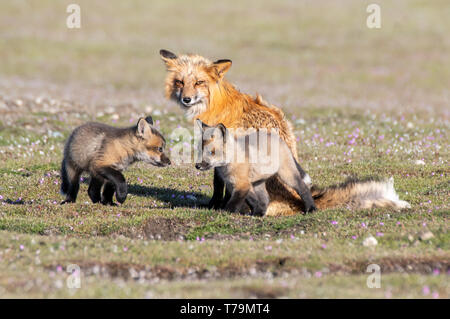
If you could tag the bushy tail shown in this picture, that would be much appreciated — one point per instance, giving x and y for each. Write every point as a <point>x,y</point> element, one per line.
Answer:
<point>359,194</point>
<point>65,183</point>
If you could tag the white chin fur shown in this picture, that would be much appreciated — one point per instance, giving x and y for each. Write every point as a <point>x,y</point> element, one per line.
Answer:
<point>194,110</point>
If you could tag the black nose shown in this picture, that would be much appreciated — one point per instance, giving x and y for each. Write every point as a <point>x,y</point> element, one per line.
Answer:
<point>186,99</point>
<point>197,166</point>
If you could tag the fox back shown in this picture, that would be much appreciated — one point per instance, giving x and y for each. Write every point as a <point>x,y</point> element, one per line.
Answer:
<point>94,145</point>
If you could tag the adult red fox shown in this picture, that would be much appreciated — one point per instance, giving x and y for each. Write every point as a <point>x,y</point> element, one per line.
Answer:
<point>104,151</point>
<point>198,85</point>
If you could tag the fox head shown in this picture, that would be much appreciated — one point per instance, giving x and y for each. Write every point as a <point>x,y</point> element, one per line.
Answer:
<point>190,79</point>
<point>150,143</point>
<point>213,146</point>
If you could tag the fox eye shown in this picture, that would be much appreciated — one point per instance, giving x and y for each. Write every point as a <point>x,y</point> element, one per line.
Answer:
<point>199,82</point>
<point>160,149</point>
<point>179,83</point>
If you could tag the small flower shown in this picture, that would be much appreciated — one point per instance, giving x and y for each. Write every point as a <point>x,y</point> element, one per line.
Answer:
<point>324,246</point>
<point>21,247</point>
<point>333,222</point>
<point>318,274</point>
<point>268,248</point>
<point>426,290</point>
<point>354,237</point>
<point>125,248</point>
<point>363,225</point>
<point>380,234</point>
<point>436,272</point>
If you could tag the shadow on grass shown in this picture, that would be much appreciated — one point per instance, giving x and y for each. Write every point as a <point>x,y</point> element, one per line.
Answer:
<point>171,196</point>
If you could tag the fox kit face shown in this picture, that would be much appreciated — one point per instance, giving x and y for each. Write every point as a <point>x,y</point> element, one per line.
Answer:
<point>189,80</point>
<point>151,144</point>
<point>213,146</point>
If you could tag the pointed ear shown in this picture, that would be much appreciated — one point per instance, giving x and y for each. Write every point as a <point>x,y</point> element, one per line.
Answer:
<point>222,129</point>
<point>201,125</point>
<point>142,128</point>
<point>149,120</point>
<point>168,57</point>
<point>221,67</point>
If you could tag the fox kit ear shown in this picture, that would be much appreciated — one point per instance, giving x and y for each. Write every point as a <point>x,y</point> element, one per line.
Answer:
<point>149,120</point>
<point>201,125</point>
<point>143,128</point>
<point>168,57</point>
<point>222,129</point>
<point>221,67</point>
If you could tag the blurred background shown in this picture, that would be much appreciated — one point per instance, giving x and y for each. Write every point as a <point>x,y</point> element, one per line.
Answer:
<point>297,54</point>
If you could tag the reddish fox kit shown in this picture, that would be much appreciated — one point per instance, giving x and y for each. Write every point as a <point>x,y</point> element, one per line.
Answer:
<point>245,162</point>
<point>104,151</point>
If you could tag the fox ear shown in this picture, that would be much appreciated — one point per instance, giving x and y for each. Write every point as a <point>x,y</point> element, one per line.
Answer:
<point>221,67</point>
<point>222,128</point>
<point>142,127</point>
<point>168,57</point>
<point>201,125</point>
<point>149,120</point>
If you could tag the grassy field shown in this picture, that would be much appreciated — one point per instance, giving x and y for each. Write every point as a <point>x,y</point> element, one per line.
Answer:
<point>363,102</point>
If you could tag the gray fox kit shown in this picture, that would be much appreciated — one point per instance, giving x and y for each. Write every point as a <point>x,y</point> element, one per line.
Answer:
<point>246,177</point>
<point>104,151</point>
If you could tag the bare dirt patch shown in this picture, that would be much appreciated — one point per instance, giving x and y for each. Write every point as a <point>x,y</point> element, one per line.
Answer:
<point>269,268</point>
<point>161,228</point>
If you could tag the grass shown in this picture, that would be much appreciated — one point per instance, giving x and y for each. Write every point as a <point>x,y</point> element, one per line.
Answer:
<point>363,103</point>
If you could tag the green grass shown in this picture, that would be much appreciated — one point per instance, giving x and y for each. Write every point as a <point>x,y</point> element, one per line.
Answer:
<point>363,103</point>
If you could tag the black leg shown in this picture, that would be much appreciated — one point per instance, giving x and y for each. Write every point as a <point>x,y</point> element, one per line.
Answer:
<point>116,177</point>
<point>237,199</point>
<point>294,179</point>
<point>216,200</point>
<point>73,177</point>
<point>227,197</point>
<point>108,193</point>
<point>94,189</point>
<point>258,200</point>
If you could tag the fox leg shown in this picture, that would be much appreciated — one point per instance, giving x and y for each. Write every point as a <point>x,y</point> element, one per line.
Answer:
<point>296,182</point>
<point>118,180</point>
<point>108,193</point>
<point>227,197</point>
<point>237,198</point>
<point>216,200</point>
<point>94,189</point>
<point>258,200</point>
<point>71,181</point>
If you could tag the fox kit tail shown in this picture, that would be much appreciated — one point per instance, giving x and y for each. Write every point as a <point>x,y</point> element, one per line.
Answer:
<point>65,182</point>
<point>359,194</point>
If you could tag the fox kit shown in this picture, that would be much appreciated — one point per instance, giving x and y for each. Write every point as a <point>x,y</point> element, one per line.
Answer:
<point>246,177</point>
<point>104,151</point>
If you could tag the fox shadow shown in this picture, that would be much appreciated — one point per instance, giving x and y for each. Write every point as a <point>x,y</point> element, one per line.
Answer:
<point>170,196</point>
